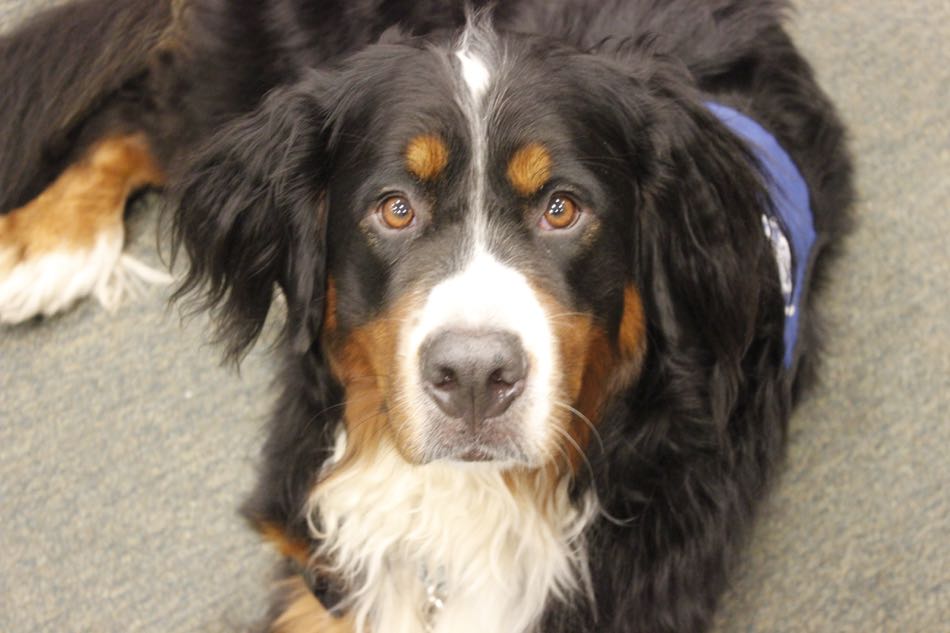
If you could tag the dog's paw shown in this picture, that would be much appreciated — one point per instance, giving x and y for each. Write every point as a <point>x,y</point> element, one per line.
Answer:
<point>44,284</point>
<point>66,243</point>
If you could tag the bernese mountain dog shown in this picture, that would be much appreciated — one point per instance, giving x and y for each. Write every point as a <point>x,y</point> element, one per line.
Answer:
<point>546,270</point>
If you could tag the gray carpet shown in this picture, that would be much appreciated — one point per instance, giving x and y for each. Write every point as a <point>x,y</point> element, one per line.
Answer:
<point>125,448</point>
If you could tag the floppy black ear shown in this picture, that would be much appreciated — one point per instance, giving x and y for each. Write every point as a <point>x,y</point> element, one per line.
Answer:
<point>249,214</point>
<point>703,252</point>
<point>685,452</point>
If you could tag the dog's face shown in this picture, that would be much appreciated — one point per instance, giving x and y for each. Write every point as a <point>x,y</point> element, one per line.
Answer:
<point>479,253</point>
<point>479,237</point>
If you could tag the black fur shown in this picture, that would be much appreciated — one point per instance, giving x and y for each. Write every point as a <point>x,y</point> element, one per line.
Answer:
<point>265,188</point>
<point>69,76</point>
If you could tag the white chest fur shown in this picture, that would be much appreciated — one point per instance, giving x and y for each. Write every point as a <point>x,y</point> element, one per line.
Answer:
<point>498,550</point>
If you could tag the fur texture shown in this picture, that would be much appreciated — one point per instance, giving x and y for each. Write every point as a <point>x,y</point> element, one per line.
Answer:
<point>525,548</point>
<point>285,125</point>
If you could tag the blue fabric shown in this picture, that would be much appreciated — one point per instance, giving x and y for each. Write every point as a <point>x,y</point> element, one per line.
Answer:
<point>789,224</point>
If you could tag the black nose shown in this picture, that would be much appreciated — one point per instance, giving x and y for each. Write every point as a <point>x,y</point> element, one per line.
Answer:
<point>473,375</point>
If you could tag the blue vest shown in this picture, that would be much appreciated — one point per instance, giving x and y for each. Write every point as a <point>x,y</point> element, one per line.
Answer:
<point>788,224</point>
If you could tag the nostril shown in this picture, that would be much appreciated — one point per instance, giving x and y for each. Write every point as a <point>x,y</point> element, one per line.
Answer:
<point>501,394</point>
<point>447,379</point>
<point>508,374</point>
<point>498,379</point>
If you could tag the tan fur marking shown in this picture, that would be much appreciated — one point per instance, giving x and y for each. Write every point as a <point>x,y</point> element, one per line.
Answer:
<point>305,614</point>
<point>87,199</point>
<point>579,339</point>
<point>529,169</point>
<point>631,341</point>
<point>632,337</point>
<point>426,156</point>
<point>359,370</point>
<point>286,545</point>
<point>363,360</point>
<point>329,307</point>
<point>592,368</point>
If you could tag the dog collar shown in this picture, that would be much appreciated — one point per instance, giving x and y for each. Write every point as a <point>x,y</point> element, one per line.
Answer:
<point>788,222</point>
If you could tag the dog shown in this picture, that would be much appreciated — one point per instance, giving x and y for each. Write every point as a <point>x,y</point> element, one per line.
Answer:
<point>548,272</point>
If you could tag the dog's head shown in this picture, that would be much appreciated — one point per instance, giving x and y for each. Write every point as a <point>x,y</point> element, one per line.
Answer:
<point>486,242</point>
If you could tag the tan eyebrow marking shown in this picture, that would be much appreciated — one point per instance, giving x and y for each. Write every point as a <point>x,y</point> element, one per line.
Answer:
<point>529,169</point>
<point>426,156</point>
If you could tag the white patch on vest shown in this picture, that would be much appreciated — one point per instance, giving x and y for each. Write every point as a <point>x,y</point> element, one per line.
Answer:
<point>783,257</point>
<point>391,528</point>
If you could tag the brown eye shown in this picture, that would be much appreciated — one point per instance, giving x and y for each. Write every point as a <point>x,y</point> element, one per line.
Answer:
<point>561,213</point>
<point>396,212</point>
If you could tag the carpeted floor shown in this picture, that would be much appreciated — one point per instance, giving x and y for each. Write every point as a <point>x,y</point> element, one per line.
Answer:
<point>125,449</point>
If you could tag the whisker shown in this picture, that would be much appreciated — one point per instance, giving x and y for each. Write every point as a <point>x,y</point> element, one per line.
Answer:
<point>560,315</point>
<point>577,447</point>
<point>565,455</point>
<point>585,419</point>
<point>590,469</point>
<point>339,405</point>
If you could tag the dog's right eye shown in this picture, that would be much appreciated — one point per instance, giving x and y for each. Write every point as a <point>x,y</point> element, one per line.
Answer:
<point>396,212</point>
<point>562,213</point>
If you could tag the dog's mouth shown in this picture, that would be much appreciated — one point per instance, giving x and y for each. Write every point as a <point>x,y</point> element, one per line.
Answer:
<point>492,440</point>
<point>476,454</point>
<point>480,454</point>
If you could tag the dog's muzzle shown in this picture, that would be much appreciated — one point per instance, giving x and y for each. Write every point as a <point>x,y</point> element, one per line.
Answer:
<point>473,376</point>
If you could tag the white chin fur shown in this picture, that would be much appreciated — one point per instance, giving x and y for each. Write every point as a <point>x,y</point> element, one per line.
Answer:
<point>50,283</point>
<point>391,528</point>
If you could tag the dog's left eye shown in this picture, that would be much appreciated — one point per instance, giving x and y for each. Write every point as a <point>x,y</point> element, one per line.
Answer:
<point>396,212</point>
<point>561,213</point>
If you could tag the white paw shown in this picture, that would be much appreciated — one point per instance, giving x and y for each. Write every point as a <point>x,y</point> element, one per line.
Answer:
<point>49,283</point>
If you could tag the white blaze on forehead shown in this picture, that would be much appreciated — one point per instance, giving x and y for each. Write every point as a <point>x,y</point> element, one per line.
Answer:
<point>475,80</point>
<point>485,295</point>
<point>489,295</point>
<point>474,73</point>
